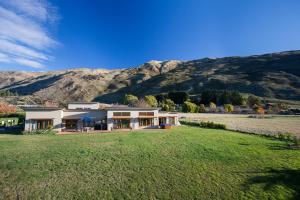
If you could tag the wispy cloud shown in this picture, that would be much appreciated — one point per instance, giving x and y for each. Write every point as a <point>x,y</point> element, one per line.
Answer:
<point>24,37</point>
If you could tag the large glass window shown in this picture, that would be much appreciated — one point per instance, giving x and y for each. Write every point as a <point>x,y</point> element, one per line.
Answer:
<point>121,123</point>
<point>71,124</point>
<point>146,122</point>
<point>146,113</point>
<point>162,120</point>
<point>172,120</point>
<point>119,114</point>
<point>44,124</point>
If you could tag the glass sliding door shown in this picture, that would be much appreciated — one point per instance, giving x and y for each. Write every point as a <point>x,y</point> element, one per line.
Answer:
<point>121,123</point>
<point>162,120</point>
<point>71,124</point>
<point>146,122</point>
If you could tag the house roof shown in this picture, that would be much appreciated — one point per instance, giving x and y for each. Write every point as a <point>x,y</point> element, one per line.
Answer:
<point>82,102</point>
<point>40,108</point>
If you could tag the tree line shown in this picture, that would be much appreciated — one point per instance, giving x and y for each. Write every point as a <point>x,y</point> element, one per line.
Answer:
<point>182,101</point>
<point>7,93</point>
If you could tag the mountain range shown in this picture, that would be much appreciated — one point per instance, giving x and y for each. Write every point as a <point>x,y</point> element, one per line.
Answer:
<point>274,75</point>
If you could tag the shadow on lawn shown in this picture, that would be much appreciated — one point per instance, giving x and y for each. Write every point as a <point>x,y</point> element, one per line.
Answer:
<point>272,177</point>
<point>284,146</point>
<point>12,130</point>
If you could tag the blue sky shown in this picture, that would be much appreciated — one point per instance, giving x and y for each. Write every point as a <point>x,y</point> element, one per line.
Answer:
<point>39,35</point>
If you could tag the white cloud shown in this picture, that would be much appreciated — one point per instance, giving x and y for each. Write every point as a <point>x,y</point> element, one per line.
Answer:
<point>29,63</point>
<point>19,50</point>
<point>36,9</point>
<point>4,58</point>
<point>24,38</point>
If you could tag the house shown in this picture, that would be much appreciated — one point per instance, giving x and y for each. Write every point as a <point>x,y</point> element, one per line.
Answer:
<point>85,116</point>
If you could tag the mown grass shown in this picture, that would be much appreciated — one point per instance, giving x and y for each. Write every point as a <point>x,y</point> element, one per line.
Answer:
<point>181,163</point>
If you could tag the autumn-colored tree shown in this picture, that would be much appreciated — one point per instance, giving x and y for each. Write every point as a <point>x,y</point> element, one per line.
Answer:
<point>213,107</point>
<point>141,104</point>
<point>259,109</point>
<point>202,108</point>
<point>6,108</point>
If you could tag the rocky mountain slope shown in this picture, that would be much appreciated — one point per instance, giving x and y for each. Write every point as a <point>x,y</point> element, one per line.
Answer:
<point>275,75</point>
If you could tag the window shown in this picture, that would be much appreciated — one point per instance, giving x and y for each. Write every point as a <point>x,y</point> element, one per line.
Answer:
<point>146,122</point>
<point>71,124</point>
<point>146,113</point>
<point>121,114</point>
<point>44,124</point>
<point>162,120</point>
<point>121,123</point>
<point>172,120</point>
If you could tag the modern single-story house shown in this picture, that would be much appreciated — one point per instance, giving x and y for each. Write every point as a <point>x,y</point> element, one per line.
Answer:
<point>85,116</point>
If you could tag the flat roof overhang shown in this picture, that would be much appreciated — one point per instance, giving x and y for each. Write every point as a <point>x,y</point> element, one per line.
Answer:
<point>128,108</point>
<point>41,108</point>
<point>78,102</point>
<point>41,119</point>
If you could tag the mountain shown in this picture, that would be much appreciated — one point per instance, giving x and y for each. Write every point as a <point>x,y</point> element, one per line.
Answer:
<point>275,75</point>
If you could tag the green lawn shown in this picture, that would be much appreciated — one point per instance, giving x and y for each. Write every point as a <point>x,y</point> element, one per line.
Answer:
<point>181,163</point>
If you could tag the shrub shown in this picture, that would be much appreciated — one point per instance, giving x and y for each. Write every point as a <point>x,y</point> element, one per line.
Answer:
<point>228,108</point>
<point>201,108</point>
<point>204,124</point>
<point>40,132</point>
<point>296,141</point>
<point>213,107</point>
<point>285,136</point>
<point>212,125</point>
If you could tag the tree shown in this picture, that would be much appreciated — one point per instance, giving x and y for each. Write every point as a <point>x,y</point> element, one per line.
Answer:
<point>282,106</point>
<point>141,104</point>
<point>168,105</point>
<point>6,108</point>
<point>224,98</point>
<point>189,107</point>
<point>253,100</point>
<point>228,108</point>
<point>201,108</point>
<point>130,99</point>
<point>236,98</point>
<point>208,96</point>
<point>244,102</point>
<point>151,101</point>
<point>260,110</point>
<point>213,107</point>
<point>178,97</point>
<point>160,97</point>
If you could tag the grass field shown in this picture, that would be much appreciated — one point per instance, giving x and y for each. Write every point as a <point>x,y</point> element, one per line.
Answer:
<point>181,163</point>
<point>270,125</point>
